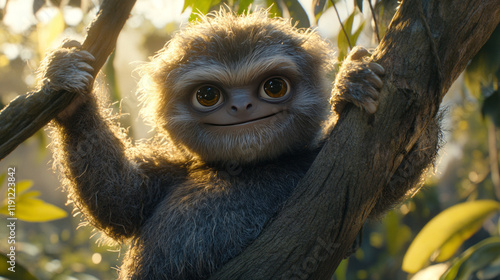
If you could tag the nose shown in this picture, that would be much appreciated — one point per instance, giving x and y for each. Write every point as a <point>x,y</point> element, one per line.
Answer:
<point>241,103</point>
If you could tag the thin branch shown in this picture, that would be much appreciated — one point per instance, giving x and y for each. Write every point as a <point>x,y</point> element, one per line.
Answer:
<point>341,24</point>
<point>374,16</point>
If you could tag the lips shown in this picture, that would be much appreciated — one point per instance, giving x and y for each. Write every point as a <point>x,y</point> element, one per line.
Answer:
<point>246,122</point>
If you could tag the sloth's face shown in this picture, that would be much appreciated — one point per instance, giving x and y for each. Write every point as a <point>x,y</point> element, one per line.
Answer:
<point>245,112</point>
<point>239,89</point>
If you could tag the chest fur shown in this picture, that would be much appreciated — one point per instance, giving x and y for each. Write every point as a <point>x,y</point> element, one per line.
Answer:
<point>215,213</point>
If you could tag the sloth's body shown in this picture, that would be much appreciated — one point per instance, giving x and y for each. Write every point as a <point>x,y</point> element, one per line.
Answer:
<point>241,105</point>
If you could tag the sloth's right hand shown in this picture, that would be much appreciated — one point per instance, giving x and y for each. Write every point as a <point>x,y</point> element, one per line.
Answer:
<point>68,68</point>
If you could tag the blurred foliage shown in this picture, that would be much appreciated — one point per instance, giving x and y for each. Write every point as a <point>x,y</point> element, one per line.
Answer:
<point>27,206</point>
<point>20,272</point>
<point>445,233</point>
<point>482,77</point>
<point>54,250</point>
<point>344,40</point>
<point>481,260</point>
<point>48,32</point>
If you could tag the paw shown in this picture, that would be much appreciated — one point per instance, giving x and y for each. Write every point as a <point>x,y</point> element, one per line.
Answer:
<point>68,68</point>
<point>358,82</point>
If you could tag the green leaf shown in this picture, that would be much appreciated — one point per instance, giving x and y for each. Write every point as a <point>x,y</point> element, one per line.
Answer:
<point>343,41</point>
<point>188,3</point>
<point>274,9</point>
<point>318,6</point>
<point>359,4</point>
<point>21,273</point>
<point>243,6</point>
<point>348,23</point>
<point>354,37</point>
<point>318,15</point>
<point>479,256</point>
<point>199,7</point>
<point>453,225</point>
<point>297,13</point>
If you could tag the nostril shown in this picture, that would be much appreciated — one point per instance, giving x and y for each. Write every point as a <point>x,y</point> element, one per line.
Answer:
<point>235,108</point>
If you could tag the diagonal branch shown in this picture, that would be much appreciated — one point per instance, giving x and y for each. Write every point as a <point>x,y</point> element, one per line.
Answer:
<point>26,114</point>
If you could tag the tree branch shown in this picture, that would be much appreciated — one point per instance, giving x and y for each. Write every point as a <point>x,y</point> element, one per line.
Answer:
<point>314,231</point>
<point>26,114</point>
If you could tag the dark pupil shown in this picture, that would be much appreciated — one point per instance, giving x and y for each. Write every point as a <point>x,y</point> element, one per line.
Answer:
<point>207,93</point>
<point>208,96</point>
<point>274,86</point>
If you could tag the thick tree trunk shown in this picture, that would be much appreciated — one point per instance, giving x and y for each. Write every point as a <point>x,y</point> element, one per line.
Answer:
<point>26,114</point>
<point>427,46</point>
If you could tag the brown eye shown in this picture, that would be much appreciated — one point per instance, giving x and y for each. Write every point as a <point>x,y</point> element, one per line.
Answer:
<point>207,96</point>
<point>274,88</point>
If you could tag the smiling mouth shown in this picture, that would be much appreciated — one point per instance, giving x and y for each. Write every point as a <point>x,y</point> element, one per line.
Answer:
<point>246,122</point>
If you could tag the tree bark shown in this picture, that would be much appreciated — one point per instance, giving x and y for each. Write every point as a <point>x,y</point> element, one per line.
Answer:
<point>26,114</point>
<point>427,46</point>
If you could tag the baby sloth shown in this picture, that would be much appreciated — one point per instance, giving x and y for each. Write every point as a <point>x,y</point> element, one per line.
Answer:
<point>241,106</point>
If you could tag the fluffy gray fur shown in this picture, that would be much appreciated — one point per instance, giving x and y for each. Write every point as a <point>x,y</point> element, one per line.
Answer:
<point>178,198</point>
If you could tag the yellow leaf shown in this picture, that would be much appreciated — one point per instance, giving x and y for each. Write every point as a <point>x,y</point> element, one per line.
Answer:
<point>23,186</point>
<point>31,194</point>
<point>451,246</point>
<point>36,210</point>
<point>453,225</point>
<point>29,208</point>
<point>48,32</point>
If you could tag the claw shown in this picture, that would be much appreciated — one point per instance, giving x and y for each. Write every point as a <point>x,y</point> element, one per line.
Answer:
<point>88,77</point>
<point>85,55</point>
<point>376,68</point>
<point>373,93</point>
<point>358,53</point>
<point>85,67</point>
<point>375,81</point>
<point>370,107</point>
<point>68,44</point>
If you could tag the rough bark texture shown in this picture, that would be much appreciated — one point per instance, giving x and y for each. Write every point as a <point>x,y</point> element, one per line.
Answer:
<point>427,46</point>
<point>26,114</point>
